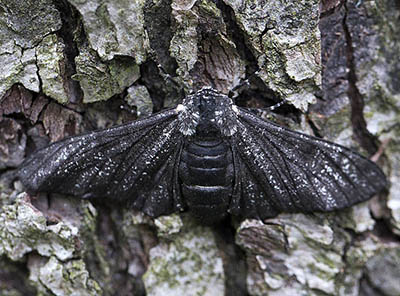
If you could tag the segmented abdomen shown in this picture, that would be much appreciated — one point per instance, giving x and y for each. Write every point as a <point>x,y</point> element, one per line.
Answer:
<point>206,174</point>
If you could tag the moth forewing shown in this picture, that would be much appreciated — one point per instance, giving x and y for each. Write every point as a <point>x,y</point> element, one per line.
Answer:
<point>209,156</point>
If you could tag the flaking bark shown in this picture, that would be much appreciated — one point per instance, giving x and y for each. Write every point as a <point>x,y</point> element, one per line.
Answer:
<point>74,66</point>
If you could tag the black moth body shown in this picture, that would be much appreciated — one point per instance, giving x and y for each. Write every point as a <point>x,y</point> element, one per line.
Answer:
<point>207,156</point>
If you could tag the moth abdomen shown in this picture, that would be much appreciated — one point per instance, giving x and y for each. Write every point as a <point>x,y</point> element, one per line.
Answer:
<point>204,195</point>
<point>206,175</point>
<point>209,156</point>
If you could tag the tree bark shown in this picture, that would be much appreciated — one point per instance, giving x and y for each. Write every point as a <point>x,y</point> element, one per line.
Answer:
<point>71,66</point>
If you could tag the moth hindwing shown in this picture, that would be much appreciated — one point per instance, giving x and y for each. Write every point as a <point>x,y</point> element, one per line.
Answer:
<point>209,156</point>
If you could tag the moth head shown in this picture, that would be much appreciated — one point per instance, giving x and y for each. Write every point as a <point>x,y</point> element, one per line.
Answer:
<point>207,112</point>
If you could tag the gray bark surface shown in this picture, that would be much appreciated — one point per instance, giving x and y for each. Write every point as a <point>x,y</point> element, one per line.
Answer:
<point>71,66</point>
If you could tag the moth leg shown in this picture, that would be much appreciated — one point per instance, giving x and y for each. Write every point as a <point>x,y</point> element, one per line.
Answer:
<point>243,83</point>
<point>260,111</point>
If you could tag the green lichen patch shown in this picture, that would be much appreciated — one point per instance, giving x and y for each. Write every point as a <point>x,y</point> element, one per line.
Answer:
<point>23,229</point>
<point>139,96</point>
<point>356,257</point>
<point>101,80</point>
<point>336,127</point>
<point>115,28</point>
<point>308,257</point>
<point>18,66</point>
<point>311,257</point>
<point>183,46</point>
<point>23,24</point>
<point>62,279</point>
<point>219,55</point>
<point>27,22</point>
<point>301,99</point>
<point>285,39</point>
<point>168,226</point>
<point>376,54</point>
<point>187,262</point>
<point>50,61</point>
<point>358,218</point>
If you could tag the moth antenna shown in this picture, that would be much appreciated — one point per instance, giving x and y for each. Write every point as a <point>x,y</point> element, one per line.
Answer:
<point>260,111</point>
<point>275,106</point>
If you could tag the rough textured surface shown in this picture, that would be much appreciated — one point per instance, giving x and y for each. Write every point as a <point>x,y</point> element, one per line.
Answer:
<point>376,60</point>
<point>334,78</point>
<point>24,228</point>
<point>216,57</point>
<point>61,279</point>
<point>114,27</point>
<point>358,218</point>
<point>50,61</point>
<point>59,122</point>
<point>302,255</point>
<point>384,271</point>
<point>139,96</point>
<point>355,257</point>
<point>19,66</point>
<point>370,58</point>
<point>102,80</point>
<point>184,47</point>
<point>186,261</point>
<point>26,231</point>
<point>27,22</point>
<point>19,100</point>
<point>274,257</point>
<point>285,40</point>
<point>12,146</point>
<point>168,226</point>
<point>106,44</point>
<point>22,26</point>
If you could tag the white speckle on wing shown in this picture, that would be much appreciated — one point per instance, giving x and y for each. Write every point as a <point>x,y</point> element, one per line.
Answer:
<point>180,108</point>
<point>235,109</point>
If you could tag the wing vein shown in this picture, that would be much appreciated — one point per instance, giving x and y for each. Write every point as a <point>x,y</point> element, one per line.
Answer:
<point>307,174</point>
<point>243,129</point>
<point>283,157</point>
<point>139,155</point>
